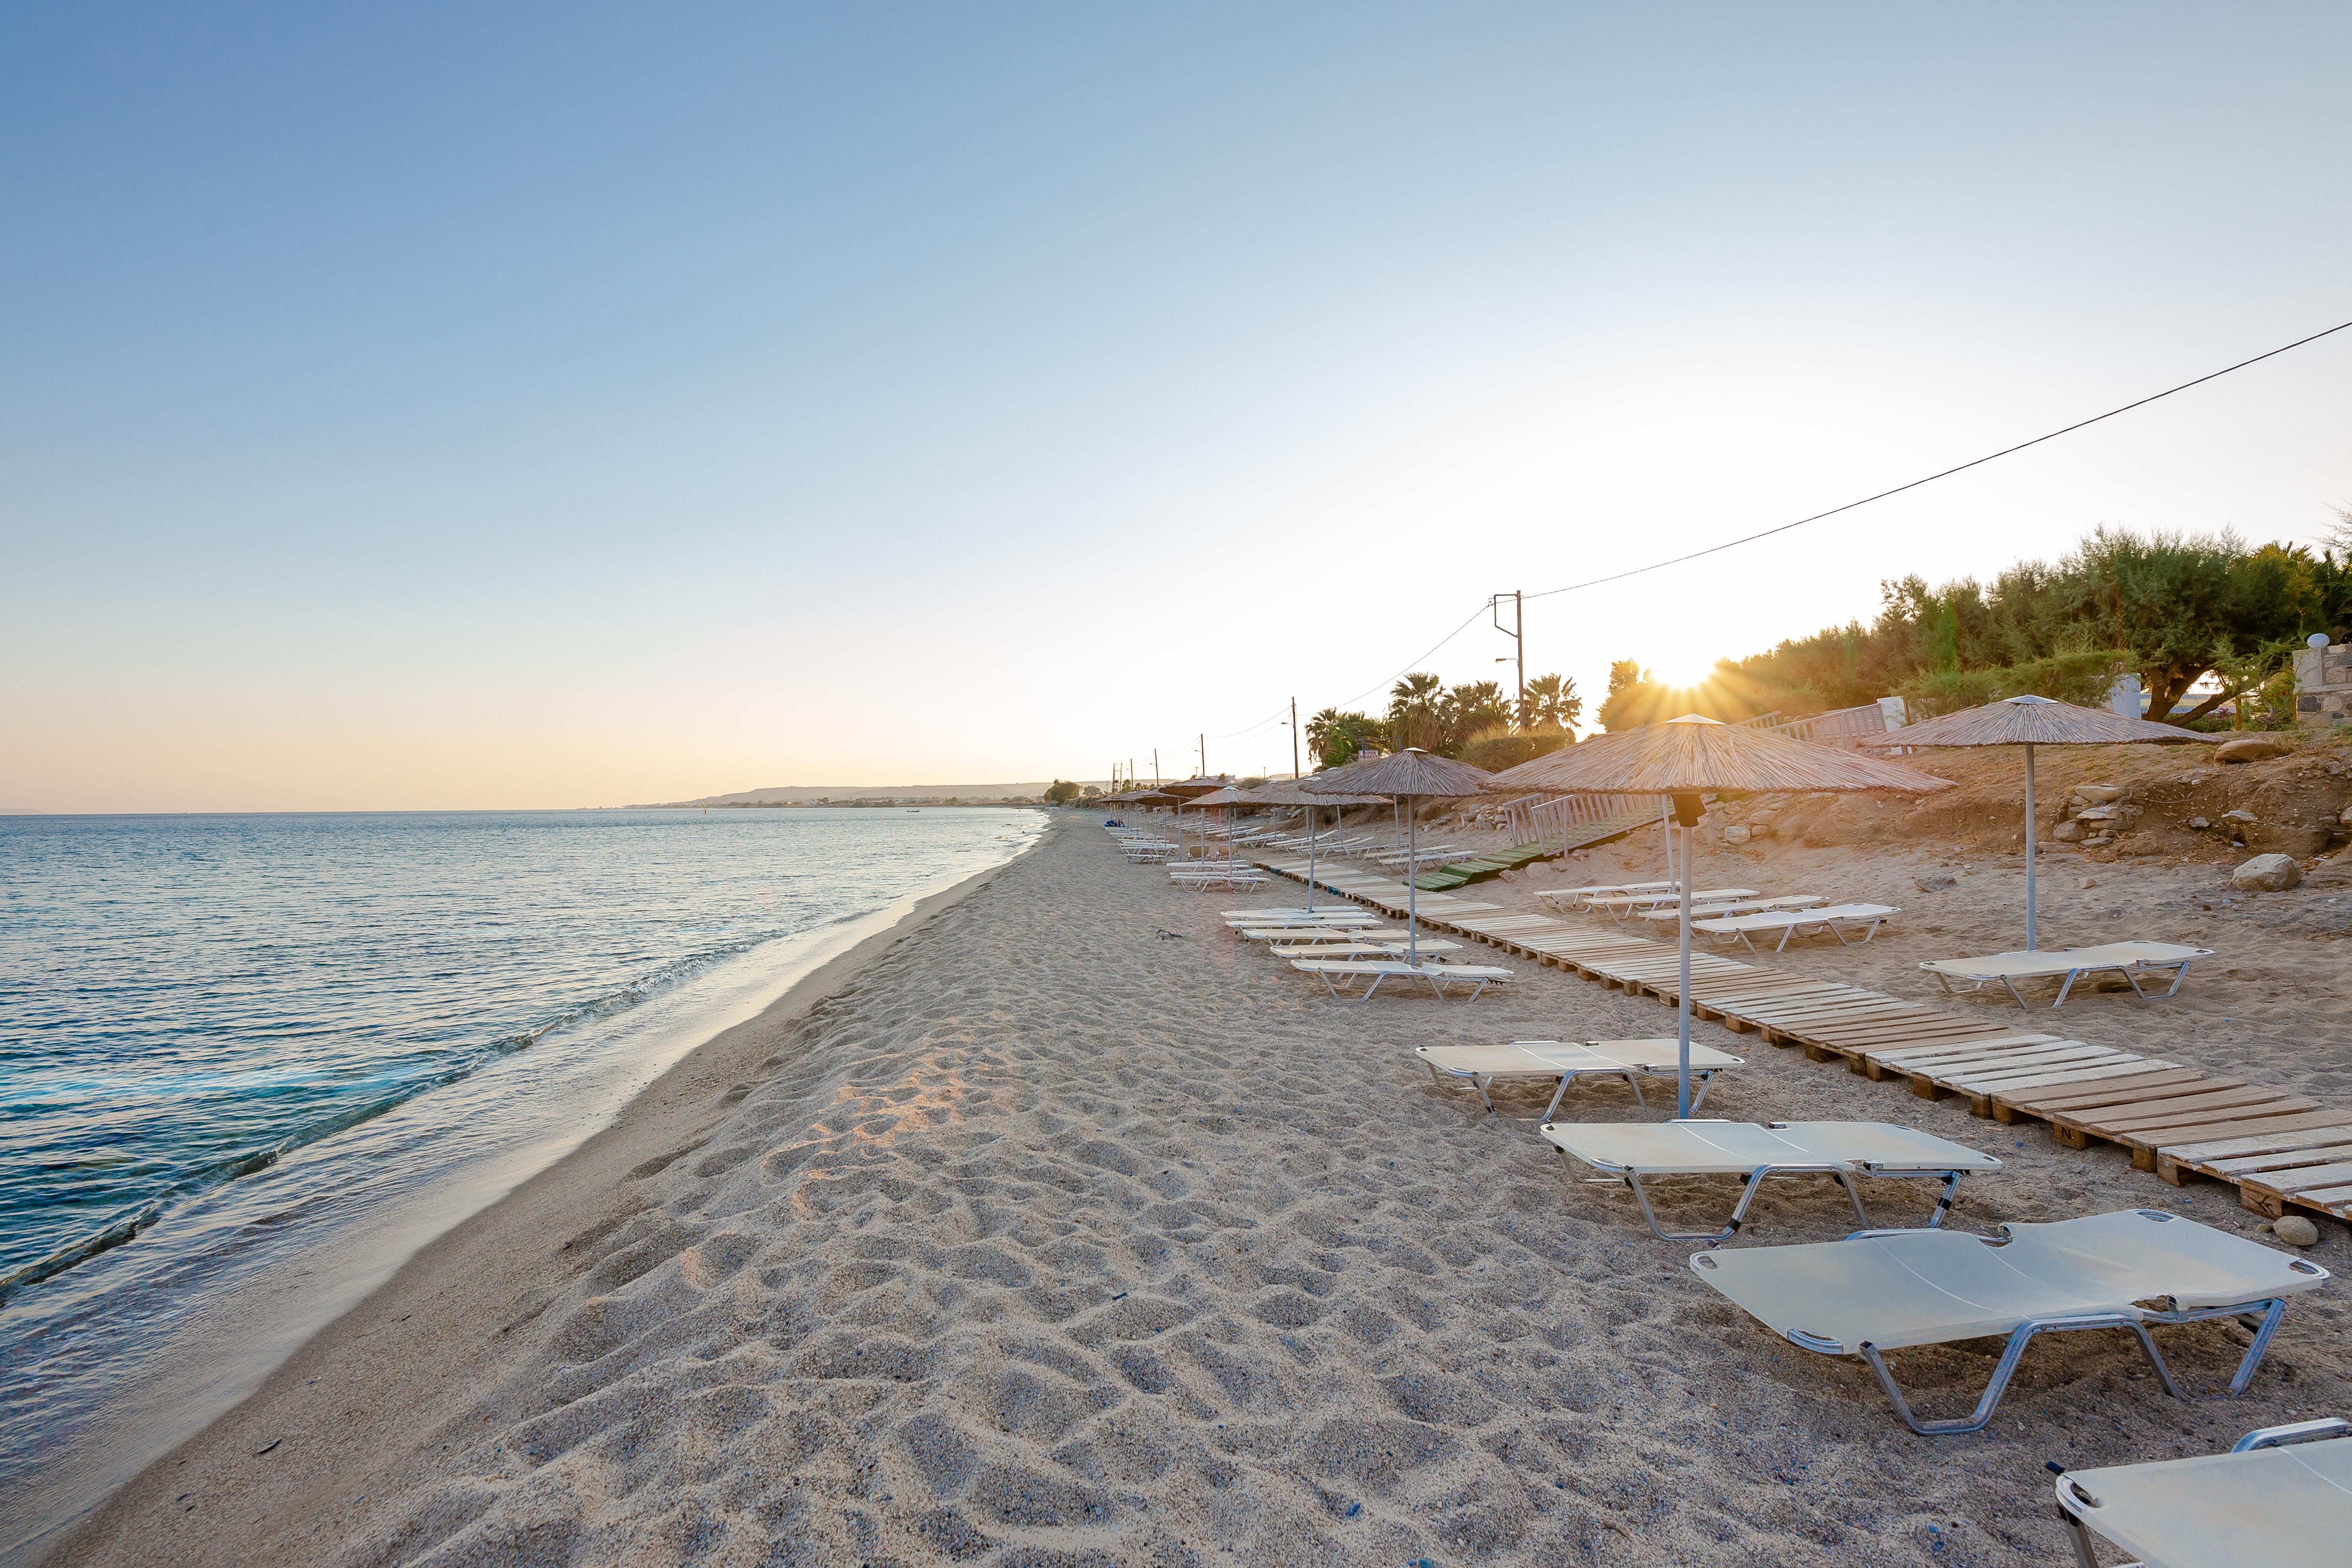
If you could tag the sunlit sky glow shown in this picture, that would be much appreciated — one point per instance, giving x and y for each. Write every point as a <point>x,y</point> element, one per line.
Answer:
<point>459,406</point>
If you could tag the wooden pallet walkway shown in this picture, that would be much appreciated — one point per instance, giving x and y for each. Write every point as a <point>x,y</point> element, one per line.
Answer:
<point>2279,1150</point>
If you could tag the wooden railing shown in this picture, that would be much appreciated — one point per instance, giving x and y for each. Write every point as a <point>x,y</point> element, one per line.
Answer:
<point>1533,818</point>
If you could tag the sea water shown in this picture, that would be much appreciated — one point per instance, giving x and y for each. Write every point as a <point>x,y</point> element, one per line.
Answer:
<point>250,1063</point>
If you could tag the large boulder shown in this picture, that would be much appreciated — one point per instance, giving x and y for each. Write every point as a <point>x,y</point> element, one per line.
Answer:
<point>2250,749</point>
<point>2267,874</point>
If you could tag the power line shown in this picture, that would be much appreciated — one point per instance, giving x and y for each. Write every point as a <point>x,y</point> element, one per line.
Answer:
<point>1947,473</point>
<point>1834,511</point>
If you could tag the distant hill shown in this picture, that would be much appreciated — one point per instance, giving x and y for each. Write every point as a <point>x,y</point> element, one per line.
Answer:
<point>806,794</point>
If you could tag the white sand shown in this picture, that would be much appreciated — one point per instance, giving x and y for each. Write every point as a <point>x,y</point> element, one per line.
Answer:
<point>1049,1241</point>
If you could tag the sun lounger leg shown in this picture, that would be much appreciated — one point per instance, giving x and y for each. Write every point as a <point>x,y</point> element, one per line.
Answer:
<point>1557,1096</point>
<point>1375,986</point>
<point>1944,1202</point>
<point>2066,985</point>
<point>2012,986</point>
<point>2272,1312</point>
<point>1853,1197</point>
<point>2084,1555</point>
<point>1703,1237</point>
<point>2180,974</point>
<point>1786,932</point>
<point>1481,1084</point>
<point>1633,1082</point>
<point>1705,1083</point>
<point>2019,1338</point>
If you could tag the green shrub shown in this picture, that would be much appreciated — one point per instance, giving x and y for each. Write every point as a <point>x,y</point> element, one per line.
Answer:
<point>2081,679</point>
<point>1495,753</point>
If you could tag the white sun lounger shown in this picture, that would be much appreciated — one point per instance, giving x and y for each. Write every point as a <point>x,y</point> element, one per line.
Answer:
<point>1279,935</point>
<point>1327,912</point>
<point>1842,1150</point>
<point>1385,947</point>
<point>2068,965</point>
<point>2281,1497</point>
<point>1883,1291</point>
<point>1477,976</point>
<point>1737,907</point>
<point>1631,1060</point>
<point>1577,898</point>
<point>1836,919</point>
<point>1626,905</point>
<point>1353,919</point>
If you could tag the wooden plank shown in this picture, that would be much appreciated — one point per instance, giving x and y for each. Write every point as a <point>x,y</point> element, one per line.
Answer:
<point>2002,1075</point>
<point>2108,1090</point>
<point>2326,1153</point>
<point>2162,1138</point>
<point>2237,1103</point>
<point>1998,1059</point>
<point>2258,1144</point>
<point>1965,1053</point>
<point>2013,1100</point>
<point>2169,1103</point>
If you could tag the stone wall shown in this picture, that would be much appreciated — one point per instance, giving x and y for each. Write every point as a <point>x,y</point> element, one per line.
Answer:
<point>2323,687</point>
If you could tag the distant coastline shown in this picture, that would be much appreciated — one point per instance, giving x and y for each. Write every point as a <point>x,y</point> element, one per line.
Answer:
<point>1031,794</point>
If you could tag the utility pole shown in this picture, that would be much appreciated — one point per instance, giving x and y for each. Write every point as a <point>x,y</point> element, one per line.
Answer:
<point>1205,755</point>
<point>1294,733</point>
<point>1516,631</point>
<point>1155,767</point>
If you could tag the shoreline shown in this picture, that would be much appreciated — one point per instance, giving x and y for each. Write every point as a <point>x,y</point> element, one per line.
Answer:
<point>676,1108</point>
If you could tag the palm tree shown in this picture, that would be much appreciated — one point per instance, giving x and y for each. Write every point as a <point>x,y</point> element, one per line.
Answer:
<point>1551,704</point>
<point>1415,715</point>
<point>1473,707</point>
<point>1335,737</point>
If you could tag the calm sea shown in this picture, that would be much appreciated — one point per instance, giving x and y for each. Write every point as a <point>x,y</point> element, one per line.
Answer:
<point>250,1063</point>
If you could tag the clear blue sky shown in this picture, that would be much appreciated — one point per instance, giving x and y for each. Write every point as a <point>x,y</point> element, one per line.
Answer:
<point>422,406</point>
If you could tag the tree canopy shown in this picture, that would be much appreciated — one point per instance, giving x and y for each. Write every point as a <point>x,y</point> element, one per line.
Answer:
<point>2172,608</point>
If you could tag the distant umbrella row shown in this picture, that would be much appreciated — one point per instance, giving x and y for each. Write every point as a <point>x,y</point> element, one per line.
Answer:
<point>1685,760</point>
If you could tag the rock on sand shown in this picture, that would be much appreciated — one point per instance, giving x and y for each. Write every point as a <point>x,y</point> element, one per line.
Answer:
<point>2267,873</point>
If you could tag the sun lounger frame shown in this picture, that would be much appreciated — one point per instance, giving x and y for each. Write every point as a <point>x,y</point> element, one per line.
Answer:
<point>1842,1172</point>
<point>2124,967</point>
<point>1703,1076</point>
<point>2076,1503</point>
<point>1437,974</point>
<point>2135,1321</point>
<point>1793,922</point>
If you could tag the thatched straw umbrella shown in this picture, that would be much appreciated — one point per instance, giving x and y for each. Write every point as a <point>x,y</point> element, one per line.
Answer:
<point>1186,789</point>
<point>1686,757</point>
<point>1228,797</point>
<point>1295,793</point>
<point>2031,721</point>
<point>1409,776</point>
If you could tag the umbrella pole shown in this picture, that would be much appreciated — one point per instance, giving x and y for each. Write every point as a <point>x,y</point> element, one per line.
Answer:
<point>1411,915</point>
<point>1666,826</point>
<point>1683,1008</point>
<point>2029,847</point>
<point>1310,860</point>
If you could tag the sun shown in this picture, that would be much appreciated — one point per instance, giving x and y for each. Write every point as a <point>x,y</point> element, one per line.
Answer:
<point>1681,671</point>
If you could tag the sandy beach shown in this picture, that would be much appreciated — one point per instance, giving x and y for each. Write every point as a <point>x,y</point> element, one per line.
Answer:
<point>1058,1230</point>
